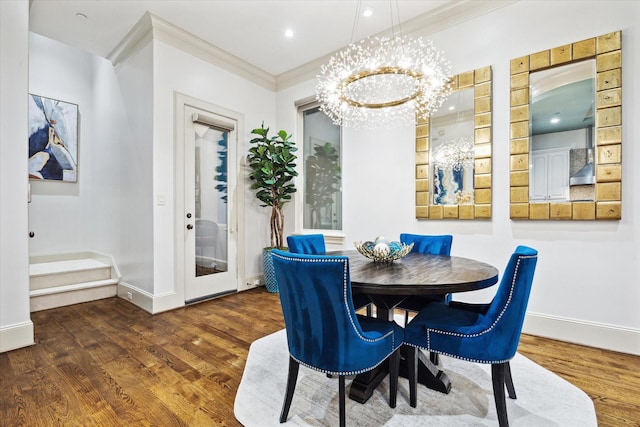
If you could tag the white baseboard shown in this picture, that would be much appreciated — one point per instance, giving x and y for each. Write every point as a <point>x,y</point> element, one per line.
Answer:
<point>158,303</point>
<point>16,336</point>
<point>150,303</point>
<point>166,302</point>
<point>251,282</point>
<point>600,335</point>
<point>137,296</point>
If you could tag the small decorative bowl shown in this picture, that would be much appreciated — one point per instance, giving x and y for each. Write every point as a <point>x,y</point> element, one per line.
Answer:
<point>381,251</point>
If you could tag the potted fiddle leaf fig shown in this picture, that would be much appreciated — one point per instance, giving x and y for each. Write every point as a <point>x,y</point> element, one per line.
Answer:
<point>271,161</point>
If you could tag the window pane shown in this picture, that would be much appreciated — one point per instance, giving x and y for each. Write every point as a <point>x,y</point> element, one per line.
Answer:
<point>322,173</point>
<point>210,200</point>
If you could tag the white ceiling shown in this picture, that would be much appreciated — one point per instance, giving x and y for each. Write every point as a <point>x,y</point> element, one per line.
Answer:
<point>252,30</point>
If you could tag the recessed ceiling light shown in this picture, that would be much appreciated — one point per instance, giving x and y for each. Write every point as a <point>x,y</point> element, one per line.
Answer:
<point>288,33</point>
<point>367,12</point>
<point>81,15</point>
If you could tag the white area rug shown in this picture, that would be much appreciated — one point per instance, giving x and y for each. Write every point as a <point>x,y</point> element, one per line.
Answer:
<point>544,399</point>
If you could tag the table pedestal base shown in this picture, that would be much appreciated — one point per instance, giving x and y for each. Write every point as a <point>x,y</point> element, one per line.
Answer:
<point>363,385</point>
<point>429,375</point>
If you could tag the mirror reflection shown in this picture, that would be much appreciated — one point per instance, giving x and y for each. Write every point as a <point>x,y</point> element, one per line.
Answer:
<point>551,164</point>
<point>562,133</point>
<point>451,150</point>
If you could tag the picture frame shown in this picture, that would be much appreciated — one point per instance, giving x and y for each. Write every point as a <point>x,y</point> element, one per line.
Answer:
<point>53,139</point>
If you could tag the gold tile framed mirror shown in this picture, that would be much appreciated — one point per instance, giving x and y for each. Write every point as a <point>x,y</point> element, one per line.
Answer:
<point>600,196</point>
<point>464,138</point>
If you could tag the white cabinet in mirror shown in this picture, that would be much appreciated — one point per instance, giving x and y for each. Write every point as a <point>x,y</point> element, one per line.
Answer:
<point>562,121</point>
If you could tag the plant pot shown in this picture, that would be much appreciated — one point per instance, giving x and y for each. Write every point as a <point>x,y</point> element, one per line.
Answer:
<point>270,281</point>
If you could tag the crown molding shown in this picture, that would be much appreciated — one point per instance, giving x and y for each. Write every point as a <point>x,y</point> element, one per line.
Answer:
<point>139,36</point>
<point>151,27</point>
<point>301,74</point>
<point>450,14</point>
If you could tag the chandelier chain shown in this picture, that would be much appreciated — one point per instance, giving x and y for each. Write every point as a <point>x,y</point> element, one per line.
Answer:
<point>356,20</point>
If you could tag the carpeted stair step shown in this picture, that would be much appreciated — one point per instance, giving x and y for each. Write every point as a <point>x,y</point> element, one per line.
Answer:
<point>55,274</point>
<point>56,280</point>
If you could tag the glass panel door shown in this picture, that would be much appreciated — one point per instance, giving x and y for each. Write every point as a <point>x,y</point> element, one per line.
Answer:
<point>210,200</point>
<point>210,247</point>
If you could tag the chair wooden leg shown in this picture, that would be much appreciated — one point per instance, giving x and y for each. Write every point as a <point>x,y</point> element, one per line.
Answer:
<point>498,379</point>
<point>291,386</point>
<point>394,368</point>
<point>412,367</point>
<point>434,357</point>
<point>370,310</point>
<point>342,402</point>
<point>509,381</point>
<point>406,318</point>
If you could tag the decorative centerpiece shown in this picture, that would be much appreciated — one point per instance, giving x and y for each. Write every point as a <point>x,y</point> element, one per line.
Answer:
<point>383,251</point>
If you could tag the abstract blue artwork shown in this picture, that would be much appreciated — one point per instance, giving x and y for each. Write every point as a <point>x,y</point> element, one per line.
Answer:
<point>448,184</point>
<point>53,139</point>
<point>453,164</point>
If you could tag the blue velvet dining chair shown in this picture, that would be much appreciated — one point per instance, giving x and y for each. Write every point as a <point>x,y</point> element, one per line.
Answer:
<point>425,244</point>
<point>481,333</point>
<point>428,244</point>
<point>323,331</point>
<point>313,244</point>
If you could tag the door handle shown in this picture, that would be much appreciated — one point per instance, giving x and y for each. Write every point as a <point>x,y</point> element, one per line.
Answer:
<point>189,226</point>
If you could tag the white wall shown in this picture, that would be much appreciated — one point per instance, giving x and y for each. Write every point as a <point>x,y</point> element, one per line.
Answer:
<point>16,329</point>
<point>177,71</point>
<point>77,216</point>
<point>56,211</point>
<point>581,263</point>
<point>135,88</point>
<point>587,284</point>
<point>105,209</point>
<point>126,157</point>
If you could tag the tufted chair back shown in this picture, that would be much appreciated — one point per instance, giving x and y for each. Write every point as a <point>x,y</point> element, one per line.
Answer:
<point>426,244</point>
<point>307,244</point>
<point>323,331</point>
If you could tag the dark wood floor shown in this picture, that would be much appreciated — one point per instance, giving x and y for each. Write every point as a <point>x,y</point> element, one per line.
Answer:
<point>109,363</point>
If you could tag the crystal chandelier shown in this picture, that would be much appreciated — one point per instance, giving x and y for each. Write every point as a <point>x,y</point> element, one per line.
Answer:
<point>383,82</point>
<point>454,154</point>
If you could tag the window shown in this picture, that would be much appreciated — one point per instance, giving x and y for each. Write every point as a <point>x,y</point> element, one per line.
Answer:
<point>322,171</point>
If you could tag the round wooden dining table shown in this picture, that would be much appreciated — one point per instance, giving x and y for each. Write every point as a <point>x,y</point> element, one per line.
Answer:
<point>388,284</point>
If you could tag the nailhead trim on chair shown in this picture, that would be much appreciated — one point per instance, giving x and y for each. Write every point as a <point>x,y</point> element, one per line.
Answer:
<point>444,353</point>
<point>351,319</point>
<point>360,371</point>
<point>438,331</point>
